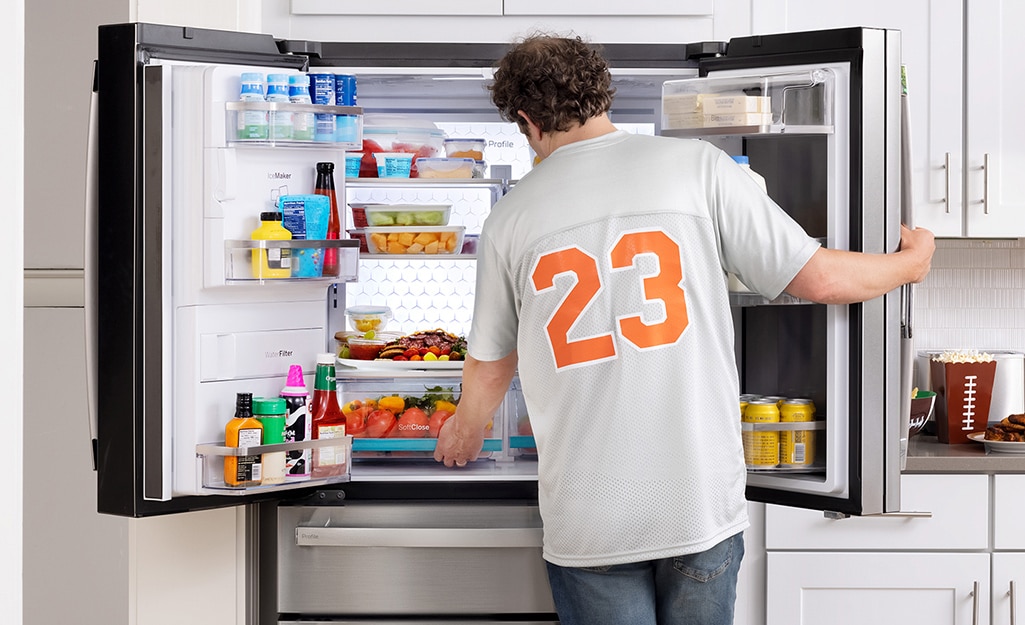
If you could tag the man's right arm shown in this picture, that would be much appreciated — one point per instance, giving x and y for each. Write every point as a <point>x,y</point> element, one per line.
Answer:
<point>842,277</point>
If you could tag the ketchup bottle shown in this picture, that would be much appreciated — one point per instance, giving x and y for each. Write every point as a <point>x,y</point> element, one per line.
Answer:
<point>326,186</point>
<point>328,420</point>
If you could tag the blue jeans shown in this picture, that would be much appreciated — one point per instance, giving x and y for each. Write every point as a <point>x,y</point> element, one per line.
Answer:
<point>696,589</point>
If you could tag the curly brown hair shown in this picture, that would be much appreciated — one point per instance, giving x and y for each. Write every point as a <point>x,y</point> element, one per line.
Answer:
<point>556,81</point>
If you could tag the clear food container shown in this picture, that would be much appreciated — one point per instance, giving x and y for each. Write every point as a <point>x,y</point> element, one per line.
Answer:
<point>367,318</point>
<point>378,215</point>
<point>446,167</point>
<point>416,240</point>
<point>465,148</point>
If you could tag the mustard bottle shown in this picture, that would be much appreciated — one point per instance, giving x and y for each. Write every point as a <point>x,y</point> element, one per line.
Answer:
<point>272,262</point>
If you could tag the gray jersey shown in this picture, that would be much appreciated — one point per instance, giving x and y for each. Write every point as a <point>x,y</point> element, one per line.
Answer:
<point>605,268</point>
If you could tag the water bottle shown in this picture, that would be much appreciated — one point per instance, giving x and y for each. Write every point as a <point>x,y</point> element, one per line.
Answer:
<point>280,121</point>
<point>303,124</point>
<point>252,124</point>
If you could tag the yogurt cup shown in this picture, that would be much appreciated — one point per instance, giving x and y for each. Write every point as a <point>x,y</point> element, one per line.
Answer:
<point>394,164</point>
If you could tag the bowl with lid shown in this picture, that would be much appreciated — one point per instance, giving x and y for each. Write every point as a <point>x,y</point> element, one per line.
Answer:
<point>368,318</point>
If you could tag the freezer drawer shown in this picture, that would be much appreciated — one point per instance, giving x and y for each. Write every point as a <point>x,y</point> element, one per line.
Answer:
<point>410,559</point>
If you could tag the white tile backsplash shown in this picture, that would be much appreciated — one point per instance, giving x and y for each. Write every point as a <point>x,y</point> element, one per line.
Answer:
<point>974,296</point>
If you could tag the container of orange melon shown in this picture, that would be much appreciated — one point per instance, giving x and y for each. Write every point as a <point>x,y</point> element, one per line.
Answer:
<point>404,240</point>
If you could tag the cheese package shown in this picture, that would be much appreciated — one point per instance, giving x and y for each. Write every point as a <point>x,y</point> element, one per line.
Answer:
<point>715,103</point>
<point>699,120</point>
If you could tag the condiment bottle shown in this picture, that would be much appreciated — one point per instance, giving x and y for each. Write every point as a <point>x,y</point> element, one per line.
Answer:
<point>303,124</point>
<point>243,431</point>
<point>298,423</point>
<point>252,124</point>
<point>326,186</point>
<point>270,412</point>
<point>280,120</point>
<point>328,420</point>
<point>273,262</point>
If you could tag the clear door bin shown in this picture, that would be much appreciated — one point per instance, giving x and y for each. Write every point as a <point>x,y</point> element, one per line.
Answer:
<point>795,102</point>
<point>348,125</point>
<point>401,415</point>
<point>332,459</point>
<point>521,434</point>
<point>791,447</point>
<point>248,261</point>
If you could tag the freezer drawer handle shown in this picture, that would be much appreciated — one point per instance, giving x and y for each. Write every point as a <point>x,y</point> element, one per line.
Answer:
<point>419,537</point>
<point>839,516</point>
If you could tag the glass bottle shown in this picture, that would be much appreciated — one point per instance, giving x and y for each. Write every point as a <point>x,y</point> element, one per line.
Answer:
<point>328,421</point>
<point>326,186</point>
<point>243,431</point>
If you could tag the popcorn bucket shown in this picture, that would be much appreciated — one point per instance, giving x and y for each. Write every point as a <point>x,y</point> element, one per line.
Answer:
<point>963,394</point>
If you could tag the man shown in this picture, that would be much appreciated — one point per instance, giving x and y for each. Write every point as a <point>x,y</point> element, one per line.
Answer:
<point>600,277</point>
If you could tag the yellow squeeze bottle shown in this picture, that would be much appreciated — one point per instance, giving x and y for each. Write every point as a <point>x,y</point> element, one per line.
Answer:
<point>273,262</point>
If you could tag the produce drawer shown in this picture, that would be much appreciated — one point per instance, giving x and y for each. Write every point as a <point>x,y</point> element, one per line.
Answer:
<point>959,522</point>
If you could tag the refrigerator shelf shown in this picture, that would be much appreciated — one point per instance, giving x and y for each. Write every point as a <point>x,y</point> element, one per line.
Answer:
<point>349,136</point>
<point>242,262</point>
<point>749,131</point>
<point>210,456</point>
<point>411,444</point>
<point>742,300</point>
<point>377,183</point>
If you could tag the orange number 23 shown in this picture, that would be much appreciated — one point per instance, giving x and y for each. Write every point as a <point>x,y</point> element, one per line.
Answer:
<point>664,286</point>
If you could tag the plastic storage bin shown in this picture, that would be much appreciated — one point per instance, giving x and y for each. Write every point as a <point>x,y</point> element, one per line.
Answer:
<point>416,240</point>
<point>378,215</point>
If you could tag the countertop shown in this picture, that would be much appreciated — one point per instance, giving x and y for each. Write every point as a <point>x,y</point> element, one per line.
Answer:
<point>926,455</point>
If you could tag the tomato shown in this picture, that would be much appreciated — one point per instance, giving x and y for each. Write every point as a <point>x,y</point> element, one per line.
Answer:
<point>438,418</point>
<point>409,353</point>
<point>434,349</point>
<point>356,422</point>
<point>412,423</point>
<point>380,423</point>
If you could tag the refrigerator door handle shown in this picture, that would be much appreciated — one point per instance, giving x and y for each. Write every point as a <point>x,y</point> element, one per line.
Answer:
<point>418,537</point>
<point>89,266</point>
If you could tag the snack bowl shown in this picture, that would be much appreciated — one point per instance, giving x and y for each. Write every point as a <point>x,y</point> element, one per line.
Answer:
<point>415,240</point>
<point>379,215</point>
<point>343,337</point>
<point>362,348</point>
<point>367,318</point>
<point>922,405</point>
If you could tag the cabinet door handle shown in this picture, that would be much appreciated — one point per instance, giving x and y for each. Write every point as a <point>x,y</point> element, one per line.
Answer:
<point>985,183</point>
<point>946,182</point>
<point>1012,593</point>
<point>975,602</point>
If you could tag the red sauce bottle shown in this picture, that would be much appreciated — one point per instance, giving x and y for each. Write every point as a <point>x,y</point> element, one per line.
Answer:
<point>328,421</point>
<point>326,186</point>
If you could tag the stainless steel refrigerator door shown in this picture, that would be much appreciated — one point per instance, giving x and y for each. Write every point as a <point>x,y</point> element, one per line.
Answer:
<point>412,559</point>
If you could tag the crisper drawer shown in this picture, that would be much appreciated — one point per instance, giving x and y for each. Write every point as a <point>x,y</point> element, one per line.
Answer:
<point>954,515</point>
<point>412,559</point>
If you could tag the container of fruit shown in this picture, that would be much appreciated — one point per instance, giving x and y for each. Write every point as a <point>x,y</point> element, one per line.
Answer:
<point>415,240</point>
<point>383,215</point>
<point>368,318</point>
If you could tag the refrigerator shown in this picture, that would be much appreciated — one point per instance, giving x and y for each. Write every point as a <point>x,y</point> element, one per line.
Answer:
<point>181,325</point>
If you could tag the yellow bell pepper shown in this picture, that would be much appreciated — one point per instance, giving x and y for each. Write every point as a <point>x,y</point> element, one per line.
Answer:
<point>441,404</point>
<point>367,404</point>
<point>392,403</point>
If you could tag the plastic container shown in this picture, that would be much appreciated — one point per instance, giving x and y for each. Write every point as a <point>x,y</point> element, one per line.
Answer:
<point>298,423</point>
<point>367,318</point>
<point>270,412</point>
<point>252,125</point>
<point>306,217</point>
<point>280,121</point>
<point>399,133</point>
<point>303,124</point>
<point>465,148</point>
<point>360,235</point>
<point>243,430</point>
<point>273,262</point>
<point>378,215</point>
<point>480,169</point>
<point>322,91</point>
<point>419,240</point>
<point>352,163</point>
<point>432,167</point>
<point>393,164</point>
<point>470,244</point>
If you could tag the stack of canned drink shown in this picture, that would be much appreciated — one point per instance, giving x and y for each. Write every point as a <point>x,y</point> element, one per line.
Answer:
<point>767,446</point>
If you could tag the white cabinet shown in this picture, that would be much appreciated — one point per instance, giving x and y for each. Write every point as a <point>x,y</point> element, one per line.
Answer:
<point>964,90</point>
<point>608,7</point>
<point>498,7</point>
<point>962,563</point>
<point>994,125</point>
<point>858,588</point>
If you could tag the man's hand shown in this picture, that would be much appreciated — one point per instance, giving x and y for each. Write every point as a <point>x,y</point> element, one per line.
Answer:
<point>458,445</point>
<point>919,243</point>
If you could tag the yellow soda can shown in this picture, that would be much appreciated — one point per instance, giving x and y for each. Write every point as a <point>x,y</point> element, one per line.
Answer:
<point>761,447</point>
<point>797,447</point>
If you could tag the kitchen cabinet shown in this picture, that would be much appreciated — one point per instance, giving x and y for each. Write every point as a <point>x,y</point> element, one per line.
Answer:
<point>608,7</point>
<point>498,7</point>
<point>963,87</point>
<point>858,588</point>
<point>963,561</point>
